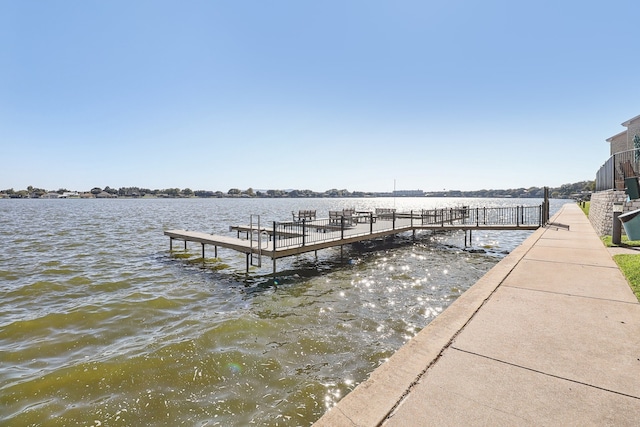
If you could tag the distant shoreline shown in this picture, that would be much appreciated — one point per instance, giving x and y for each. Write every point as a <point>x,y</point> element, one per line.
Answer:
<point>579,190</point>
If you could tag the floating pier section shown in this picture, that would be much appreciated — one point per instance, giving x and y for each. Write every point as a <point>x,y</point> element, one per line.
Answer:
<point>305,233</point>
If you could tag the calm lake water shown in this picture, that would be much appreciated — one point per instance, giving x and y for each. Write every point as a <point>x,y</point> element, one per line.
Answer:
<point>100,325</point>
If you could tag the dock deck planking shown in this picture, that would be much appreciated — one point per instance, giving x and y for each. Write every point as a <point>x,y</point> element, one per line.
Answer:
<point>322,238</point>
<point>290,238</point>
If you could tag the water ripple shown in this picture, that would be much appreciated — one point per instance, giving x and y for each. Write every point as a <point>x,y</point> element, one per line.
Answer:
<point>101,325</point>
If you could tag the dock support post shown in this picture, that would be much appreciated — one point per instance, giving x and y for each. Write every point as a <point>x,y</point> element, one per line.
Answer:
<point>215,251</point>
<point>185,245</point>
<point>170,244</point>
<point>202,252</point>
<point>248,255</point>
<point>274,266</point>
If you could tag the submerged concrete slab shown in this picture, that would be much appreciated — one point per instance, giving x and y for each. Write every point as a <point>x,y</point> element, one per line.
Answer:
<point>464,389</point>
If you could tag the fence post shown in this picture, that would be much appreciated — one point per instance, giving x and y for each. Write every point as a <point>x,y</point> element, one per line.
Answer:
<point>370,222</point>
<point>546,205</point>
<point>540,215</point>
<point>275,237</point>
<point>613,173</point>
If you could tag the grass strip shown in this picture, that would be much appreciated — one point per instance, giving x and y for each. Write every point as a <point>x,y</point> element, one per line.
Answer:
<point>585,208</point>
<point>629,264</point>
<point>630,267</point>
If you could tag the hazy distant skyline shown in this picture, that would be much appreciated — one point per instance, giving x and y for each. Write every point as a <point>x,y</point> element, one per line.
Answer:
<point>275,95</point>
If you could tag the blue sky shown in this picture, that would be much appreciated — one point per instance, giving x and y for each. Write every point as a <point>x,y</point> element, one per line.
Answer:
<point>313,95</point>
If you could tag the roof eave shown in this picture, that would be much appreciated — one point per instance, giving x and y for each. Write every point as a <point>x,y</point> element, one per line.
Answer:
<point>624,132</point>
<point>628,122</point>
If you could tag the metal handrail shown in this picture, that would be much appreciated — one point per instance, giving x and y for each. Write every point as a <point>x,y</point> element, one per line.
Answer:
<point>307,232</point>
<point>619,166</point>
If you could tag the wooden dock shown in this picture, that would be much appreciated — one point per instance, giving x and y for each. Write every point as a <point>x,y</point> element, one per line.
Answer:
<point>287,238</point>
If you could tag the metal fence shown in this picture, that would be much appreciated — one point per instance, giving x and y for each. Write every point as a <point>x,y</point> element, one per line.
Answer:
<point>296,233</point>
<point>613,172</point>
<point>305,232</point>
<point>507,216</point>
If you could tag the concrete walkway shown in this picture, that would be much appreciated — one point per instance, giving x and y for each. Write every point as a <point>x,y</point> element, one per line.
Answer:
<point>549,336</point>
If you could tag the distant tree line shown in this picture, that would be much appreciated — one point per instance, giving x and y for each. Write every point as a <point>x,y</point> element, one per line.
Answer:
<point>580,189</point>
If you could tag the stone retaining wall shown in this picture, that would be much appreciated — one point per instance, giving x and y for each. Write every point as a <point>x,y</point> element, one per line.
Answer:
<point>601,209</point>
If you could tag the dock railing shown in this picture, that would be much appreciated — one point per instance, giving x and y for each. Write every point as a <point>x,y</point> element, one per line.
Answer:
<point>306,232</point>
<point>506,216</point>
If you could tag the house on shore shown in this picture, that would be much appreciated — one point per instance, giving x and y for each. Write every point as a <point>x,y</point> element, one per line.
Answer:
<point>50,195</point>
<point>624,149</point>
<point>624,140</point>
<point>105,195</point>
<point>617,180</point>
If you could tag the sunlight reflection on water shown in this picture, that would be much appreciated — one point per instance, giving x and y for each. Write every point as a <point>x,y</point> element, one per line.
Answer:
<point>100,325</point>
